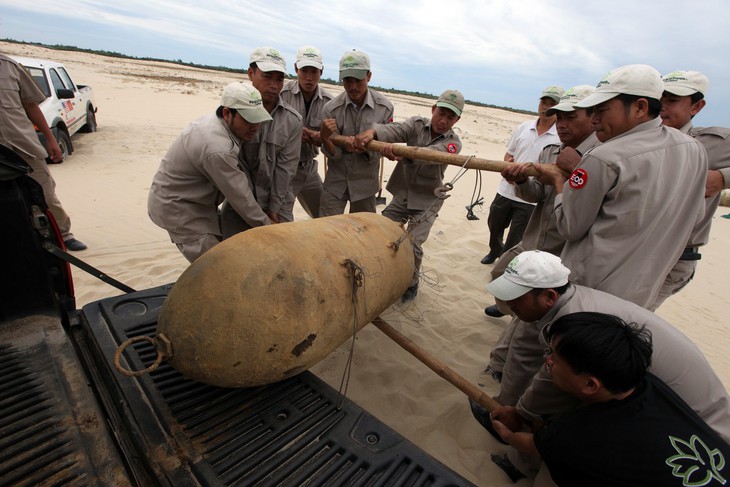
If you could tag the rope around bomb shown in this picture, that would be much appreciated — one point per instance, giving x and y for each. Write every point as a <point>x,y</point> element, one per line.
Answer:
<point>443,370</point>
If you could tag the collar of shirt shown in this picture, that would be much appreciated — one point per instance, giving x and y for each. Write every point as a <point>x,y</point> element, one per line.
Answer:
<point>368,101</point>
<point>553,312</point>
<point>296,89</point>
<point>642,127</point>
<point>427,128</point>
<point>686,128</point>
<point>279,103</point>
<point>590,142</point>
<point>553,130</point>
<point>233,136</point>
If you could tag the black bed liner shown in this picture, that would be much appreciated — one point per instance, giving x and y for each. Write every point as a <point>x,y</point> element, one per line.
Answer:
<point>52,431</point>
<point>287,433</point>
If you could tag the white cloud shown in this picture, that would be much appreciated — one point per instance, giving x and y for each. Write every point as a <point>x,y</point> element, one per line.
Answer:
<point>492,46</point>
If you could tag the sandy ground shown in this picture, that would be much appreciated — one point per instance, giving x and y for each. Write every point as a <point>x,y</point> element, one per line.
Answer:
<point>142,108</point>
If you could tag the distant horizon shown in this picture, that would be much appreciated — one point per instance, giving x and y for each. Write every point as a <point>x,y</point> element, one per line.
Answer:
<point>328,81</point>
<point>498,53</point>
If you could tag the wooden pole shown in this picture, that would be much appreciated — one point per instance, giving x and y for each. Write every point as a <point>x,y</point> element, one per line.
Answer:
<point>437,366</point>
<point>441,157</point>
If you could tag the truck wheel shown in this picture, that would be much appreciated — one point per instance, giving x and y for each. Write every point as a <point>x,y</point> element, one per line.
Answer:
<point>90,125</point>
<point>64,143</point>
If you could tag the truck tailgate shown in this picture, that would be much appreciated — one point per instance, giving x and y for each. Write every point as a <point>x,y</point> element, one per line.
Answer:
<point>288,433</point>
<point>51,429</point>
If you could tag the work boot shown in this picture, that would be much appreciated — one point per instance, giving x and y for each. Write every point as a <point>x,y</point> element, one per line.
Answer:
<point>482,417</point>
<point>493,311</point>
<point>489,372</point>
<point>74,245</point>
<point>505,464</point>
<point>410,294</point>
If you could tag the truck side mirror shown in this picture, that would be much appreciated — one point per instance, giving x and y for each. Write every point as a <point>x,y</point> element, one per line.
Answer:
<point>63,93</point>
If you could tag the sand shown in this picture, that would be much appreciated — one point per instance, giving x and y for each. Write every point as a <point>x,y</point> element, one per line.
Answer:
<point>143,106</point>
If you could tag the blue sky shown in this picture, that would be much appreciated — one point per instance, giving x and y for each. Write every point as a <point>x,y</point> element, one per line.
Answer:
<point>495,51</point>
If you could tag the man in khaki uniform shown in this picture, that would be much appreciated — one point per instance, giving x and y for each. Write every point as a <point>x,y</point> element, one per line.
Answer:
<point>575,131</point>
<point>270,159</point>
<point>307,97</point>
<point>629,207</point>
<point>19,111</point>
<point>577,137</point>
<point>413,183</point>
<point>683,98</point>
<point>352,175</point>
<point>536,287</point>
<point>201,168</point>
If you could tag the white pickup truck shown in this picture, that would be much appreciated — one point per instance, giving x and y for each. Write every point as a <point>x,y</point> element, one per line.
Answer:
<point>68,107</point>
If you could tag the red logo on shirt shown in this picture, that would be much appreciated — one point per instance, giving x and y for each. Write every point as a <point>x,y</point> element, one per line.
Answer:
<point>451,148</point>
<point>579,178</point>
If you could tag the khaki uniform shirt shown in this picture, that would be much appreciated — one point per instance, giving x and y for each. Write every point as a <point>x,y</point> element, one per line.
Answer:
<point>675,360</point>
<point>199,169</point>
<point>716,141</point>
<point>272,157</point>
<point>356,172</point>
<point>415,180</point>
<point>312,119</point>
<point>16,130</point>
<point>628,210</point>
<point>542,231</point>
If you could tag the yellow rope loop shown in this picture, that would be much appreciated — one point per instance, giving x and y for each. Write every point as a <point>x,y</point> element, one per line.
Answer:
<point>136,373</point>
<point>358,281</point>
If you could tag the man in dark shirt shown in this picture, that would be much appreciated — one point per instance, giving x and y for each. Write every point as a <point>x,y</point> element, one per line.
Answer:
<point>632,429</point>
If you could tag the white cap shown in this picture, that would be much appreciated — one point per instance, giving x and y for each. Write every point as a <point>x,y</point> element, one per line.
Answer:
<point>354,64</point>
<point>268,59</point>
<point>686,83</point>
<point>554,92</point>
<point>532,269</point>
<point>570,98</point>
<point>246,100</point>
<point>309,56</point>
<point>633,79</point>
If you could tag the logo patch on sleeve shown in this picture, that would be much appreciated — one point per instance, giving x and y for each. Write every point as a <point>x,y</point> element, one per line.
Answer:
<point>578,179</point>
<point>451,148</point>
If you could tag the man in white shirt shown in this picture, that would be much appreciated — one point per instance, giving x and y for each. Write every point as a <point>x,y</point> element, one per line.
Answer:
<point>525,145</point>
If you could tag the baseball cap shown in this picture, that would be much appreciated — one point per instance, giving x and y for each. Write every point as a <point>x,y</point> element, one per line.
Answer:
<point>268,59</point>
<point>570,98</point>
<point>309,56</point>
<point>354,64</point>
<point>685,83</point>
<point>554,92</point>
<point>246,100</point>
<point>529,270</point>
<point>633,79</point>
<point>453,100</point>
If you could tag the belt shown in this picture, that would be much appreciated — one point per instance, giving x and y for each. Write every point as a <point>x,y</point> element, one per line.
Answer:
<point>691,253</point>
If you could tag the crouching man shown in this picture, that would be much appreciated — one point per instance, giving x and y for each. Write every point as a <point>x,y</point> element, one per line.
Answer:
<point>201,168</point>
<point>631,428</point>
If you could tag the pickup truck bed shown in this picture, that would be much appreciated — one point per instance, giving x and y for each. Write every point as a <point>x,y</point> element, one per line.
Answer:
<point>52,431</point>
<point>67,417</point>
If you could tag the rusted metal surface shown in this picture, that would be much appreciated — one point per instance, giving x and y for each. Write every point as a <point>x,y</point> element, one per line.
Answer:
<point>279,298</point>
